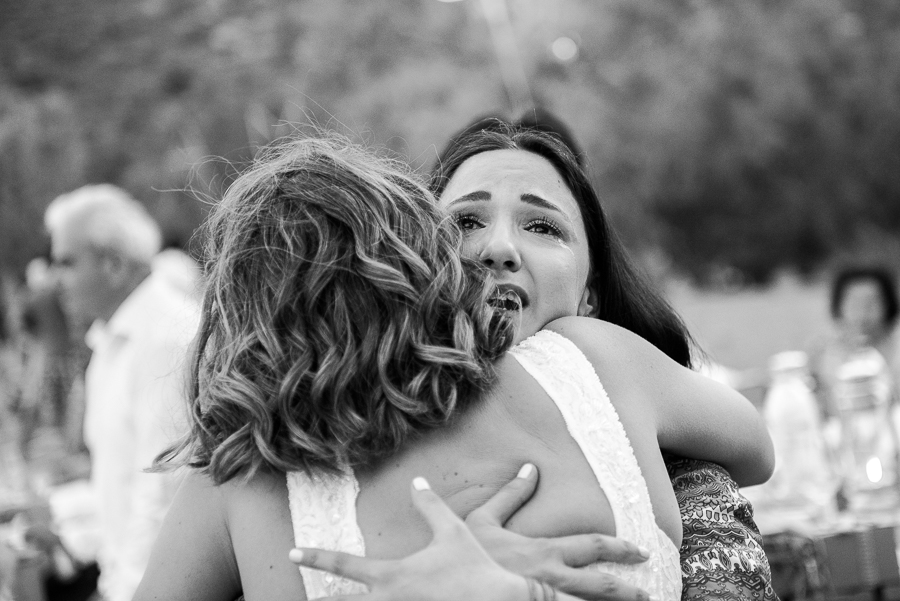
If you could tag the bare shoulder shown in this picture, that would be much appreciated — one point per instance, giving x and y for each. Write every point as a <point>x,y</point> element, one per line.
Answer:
<point>596,333</point>
<point>610,347</point>
<point>192,557</point>
<point>638,377</point>
<point>232,503</point>
<point>261,531</point>
<point>266,488</point>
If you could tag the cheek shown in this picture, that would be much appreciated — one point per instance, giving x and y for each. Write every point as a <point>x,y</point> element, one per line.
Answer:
<point>563,278</point>
<point>88,285</point>
<point>584,269</point>
<point>469,248</point>
<point>576,269</point>
<point>71,280</point>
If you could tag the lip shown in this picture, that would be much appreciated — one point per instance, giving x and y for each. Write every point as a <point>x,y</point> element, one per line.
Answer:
<point>520,292</point>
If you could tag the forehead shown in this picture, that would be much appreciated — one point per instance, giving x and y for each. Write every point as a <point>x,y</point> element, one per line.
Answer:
<point>512,170</point>
<point>68,241</point>
<point>862,288</point>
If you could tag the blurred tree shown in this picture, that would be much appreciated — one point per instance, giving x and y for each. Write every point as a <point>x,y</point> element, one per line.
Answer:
<point>795,153</point>
<point>41,155</point>
<point>737,137</point>
<point>742,138</point>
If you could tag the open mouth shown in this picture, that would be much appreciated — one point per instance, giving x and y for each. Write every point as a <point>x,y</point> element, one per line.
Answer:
<point>507,300</point>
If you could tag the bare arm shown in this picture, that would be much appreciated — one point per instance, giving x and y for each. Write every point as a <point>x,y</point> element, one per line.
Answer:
<point>705,419</point>
<point>693,415</point>
<point>193,557</point>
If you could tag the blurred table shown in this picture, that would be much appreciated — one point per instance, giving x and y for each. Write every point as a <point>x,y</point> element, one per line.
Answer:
<point>23,566</point>
<point>48,545</point>
<point>829,556</point>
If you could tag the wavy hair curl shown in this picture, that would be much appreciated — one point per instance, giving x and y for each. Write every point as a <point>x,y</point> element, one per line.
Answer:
<point>339,317</point>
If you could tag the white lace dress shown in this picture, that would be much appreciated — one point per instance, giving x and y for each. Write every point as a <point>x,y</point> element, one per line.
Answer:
<point>323,507</point>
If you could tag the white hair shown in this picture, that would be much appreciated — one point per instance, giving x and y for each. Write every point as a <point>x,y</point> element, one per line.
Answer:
<point>108,218</point>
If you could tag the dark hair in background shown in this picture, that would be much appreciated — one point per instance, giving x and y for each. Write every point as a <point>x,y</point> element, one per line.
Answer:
<point>338,320</point>
<point>625,297</point>
<point>881,276</point>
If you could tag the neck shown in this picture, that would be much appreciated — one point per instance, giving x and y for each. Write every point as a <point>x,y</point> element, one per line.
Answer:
<point>128,286</point>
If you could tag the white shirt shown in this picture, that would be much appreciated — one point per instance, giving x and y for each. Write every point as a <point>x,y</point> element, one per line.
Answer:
<point>136,388</point>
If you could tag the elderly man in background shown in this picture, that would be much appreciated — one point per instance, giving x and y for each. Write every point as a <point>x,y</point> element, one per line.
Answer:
<point>143,314</point>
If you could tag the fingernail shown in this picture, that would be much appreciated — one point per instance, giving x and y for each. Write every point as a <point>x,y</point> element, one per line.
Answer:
<point>295,555</point>
<point>526,470</point>
<point>646,555</point>
<point>654,598</point>
<point>420,483</point>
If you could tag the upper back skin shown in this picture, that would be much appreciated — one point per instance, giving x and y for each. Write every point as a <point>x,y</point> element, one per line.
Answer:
<point>469,461</point>
<point>466,463</point>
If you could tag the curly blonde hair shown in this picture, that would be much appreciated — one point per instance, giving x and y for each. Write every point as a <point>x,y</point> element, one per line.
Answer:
<point>339,318</point>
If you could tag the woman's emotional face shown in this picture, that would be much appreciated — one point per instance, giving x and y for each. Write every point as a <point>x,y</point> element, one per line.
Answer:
<point>520,219</point>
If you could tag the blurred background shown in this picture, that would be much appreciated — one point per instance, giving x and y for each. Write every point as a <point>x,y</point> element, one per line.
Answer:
<point>736,144</point>
<point>744,149</point>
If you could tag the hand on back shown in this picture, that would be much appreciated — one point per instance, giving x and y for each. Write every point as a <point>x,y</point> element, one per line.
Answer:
<point>486,561</point>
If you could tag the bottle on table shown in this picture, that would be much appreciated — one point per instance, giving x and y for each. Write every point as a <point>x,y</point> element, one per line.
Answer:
<point>868,444</point>
<point>804,477</point>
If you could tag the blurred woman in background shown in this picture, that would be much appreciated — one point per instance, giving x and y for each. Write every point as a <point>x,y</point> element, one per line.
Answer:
<point>864,308</point>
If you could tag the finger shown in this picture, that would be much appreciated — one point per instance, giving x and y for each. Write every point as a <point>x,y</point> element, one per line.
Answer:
<point>596,586</point>
<point>362,569</point>
<point>440,518</point>
<point>508,499</point>
<point>584,549</point>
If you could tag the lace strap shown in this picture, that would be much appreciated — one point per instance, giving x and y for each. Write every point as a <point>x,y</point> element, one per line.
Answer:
<point>569,379</point>
<point>323,514</point>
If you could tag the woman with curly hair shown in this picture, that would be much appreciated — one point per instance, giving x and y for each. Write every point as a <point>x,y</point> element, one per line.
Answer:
<point>347,348</point>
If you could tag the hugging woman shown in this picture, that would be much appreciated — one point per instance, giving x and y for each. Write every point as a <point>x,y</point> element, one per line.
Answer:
<point>347,347</point>
<point>484,189</point>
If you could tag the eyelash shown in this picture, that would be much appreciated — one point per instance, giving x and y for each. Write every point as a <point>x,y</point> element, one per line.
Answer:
<point>461,217</point>
<point>555,230</point>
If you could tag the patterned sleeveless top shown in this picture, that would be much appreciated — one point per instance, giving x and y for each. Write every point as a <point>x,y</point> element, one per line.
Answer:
<point>323,506</point>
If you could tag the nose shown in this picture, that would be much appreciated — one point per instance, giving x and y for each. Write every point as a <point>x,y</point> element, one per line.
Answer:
<point>61,279</point>
<point>500,252</point>
<point>55,275</point>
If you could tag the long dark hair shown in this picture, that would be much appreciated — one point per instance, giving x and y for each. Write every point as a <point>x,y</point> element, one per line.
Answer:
<point>625,296</point>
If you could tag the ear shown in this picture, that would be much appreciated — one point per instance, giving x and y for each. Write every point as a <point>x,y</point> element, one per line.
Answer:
<point>590,303</point>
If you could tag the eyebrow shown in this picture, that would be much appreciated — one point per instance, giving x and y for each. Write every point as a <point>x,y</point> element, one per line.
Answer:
<point>477,195</point>
<point>532,199</point>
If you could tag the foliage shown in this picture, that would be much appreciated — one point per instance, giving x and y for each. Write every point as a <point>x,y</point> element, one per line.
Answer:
<point>740,137</point>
